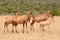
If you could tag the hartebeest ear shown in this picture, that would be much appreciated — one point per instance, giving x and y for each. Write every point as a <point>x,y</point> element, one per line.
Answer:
<point>18,13</point>
<point>51,13</point>
<point>48,11</point>
<point>29,12</point>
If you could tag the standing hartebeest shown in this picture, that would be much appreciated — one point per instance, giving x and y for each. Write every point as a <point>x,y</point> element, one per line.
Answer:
<point>21,20</point>
<point>46,23</point>
<point>8,20</point>
<point>40,18</point>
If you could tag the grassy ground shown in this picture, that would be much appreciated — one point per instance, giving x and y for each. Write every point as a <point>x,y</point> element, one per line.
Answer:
<point>53,34</point>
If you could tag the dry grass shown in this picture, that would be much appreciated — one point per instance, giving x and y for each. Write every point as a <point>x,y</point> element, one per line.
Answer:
<point>53,34</point>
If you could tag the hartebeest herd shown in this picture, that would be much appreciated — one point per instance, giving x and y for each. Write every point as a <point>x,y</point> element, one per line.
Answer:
<point>44,19</point>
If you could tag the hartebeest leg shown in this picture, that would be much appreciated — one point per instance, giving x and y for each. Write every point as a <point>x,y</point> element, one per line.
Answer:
<point>16,29</point>
<point>26,25</point>
<point>48,26</point>
<point>13,29</point>
<point>6,26</point>
<point>23,28</point>
<point>32,25</point>
<point>42,27</point>
<point>26,28</point>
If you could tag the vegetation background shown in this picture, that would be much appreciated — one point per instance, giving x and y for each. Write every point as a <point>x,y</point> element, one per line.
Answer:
<point>10,7</point>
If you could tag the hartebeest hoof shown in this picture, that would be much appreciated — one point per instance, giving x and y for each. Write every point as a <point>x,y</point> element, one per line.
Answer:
<point>22,31</point>
<point>17,31</point>
<point>4,30</point>
<point>27,32</point>
<point>12,31</point>
<point>43,30</point>
<point>33,30</point>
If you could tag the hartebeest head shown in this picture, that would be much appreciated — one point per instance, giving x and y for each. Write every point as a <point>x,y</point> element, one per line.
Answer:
<point>30,14</point>
<point>50,13</point>
<point>18,13</point>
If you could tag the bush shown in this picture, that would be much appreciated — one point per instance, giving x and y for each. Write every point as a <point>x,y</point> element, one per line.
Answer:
<point>37,6</point>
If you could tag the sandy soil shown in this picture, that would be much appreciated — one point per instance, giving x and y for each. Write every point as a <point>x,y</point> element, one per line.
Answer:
<point>52,34</point>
